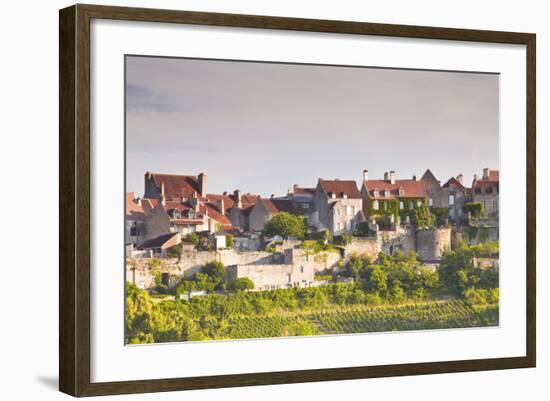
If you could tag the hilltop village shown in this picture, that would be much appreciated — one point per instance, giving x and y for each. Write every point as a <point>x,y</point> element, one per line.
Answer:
<point>300,238</point>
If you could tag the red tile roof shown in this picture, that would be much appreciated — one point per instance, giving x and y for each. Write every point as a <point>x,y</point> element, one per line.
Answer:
<point>177,186</point>
<point>412,189</point>
<point>133,210</point>
<point>215,215</point>
<point>494,175</point>
<point>340,188</point>
<point>303,191</point>
<point>148,204</point>
<point>277,205</point>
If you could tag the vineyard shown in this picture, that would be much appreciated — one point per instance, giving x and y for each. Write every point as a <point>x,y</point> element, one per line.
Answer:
<point>365,319</point>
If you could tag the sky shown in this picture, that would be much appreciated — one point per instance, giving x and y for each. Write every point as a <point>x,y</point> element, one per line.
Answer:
<point>262,127</point>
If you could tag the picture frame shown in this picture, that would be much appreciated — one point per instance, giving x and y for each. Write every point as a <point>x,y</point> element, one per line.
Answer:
<point>75,204</point>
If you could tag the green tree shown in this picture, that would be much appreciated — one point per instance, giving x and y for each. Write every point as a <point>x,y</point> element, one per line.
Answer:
<point>229,241</point>
<point>422,217</point>
<point>285,225</point>
<point>241,283</point>
<point>192,238</point>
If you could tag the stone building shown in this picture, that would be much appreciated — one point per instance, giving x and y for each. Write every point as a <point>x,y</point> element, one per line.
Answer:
<point>273,276</point>
<point>239,214</point>
<point>159,246</point>
<point>172,187</point>
<point>134,232</point>
<point>265,209</point>
<point>337,206</point>
<point>390,196</point>
<point>452,195</point>
<point>486,191</point>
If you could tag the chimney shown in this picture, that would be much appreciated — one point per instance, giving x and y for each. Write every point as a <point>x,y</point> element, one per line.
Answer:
<point>475,180</point>
<point>195,201</point>
<point>459,178</point>
<point>392,177</point>
<point>238,198</point>
<point>202,184</point>
<point>485,174</point>
<point>386,176</point>
<point>221,205</point>
<point>414,177</point>
<point>162,194</point>
<point>365,175</point>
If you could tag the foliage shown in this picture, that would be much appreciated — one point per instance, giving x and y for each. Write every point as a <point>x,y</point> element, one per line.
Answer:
<point>323,277</point>
<point>343,240</point>
<point>323,236</point>
<point>241,284</point>
<point>440,214</point>
<point>422,217</point>
<point>229,241</point>
<point>285,225</point>
<point>192,238</point>
<point>474,208</point>
<point>458,274</point>
<point>362,230</point>
<point>357,266</point>
<point>175,251</point>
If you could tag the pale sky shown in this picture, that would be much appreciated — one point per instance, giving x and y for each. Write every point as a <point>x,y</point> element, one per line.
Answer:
<point>262,127</point>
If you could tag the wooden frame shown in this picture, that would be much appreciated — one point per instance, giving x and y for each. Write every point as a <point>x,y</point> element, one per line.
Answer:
<point>74,203</point>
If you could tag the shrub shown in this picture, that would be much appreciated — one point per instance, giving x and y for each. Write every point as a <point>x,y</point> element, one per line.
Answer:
<point>474,208</point>
<point>343,239</point>
<point>285,225</point>
<point>229,241</point>
<point>192,238</point>
<point>241,284</point>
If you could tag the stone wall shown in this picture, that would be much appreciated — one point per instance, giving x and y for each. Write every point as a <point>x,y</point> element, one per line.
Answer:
<point>362,246</point>
<point>319,262</point>
<point>402,239</point>
<point>476,235</point>
<point>140,272</point>
<point>430,244</point>
<point>269,277</point>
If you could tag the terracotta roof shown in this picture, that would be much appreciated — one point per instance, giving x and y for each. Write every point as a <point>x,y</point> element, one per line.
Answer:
<point>277,205</point>
<point>157,242</point>
<point>303,191</point>
<point>176,186</point>
<point>186,222</point>
<point>494,175</point>
<point>411,188</point>
<point>453,183</point>
<point>340,188</point>
<point>215,215</point>
<point>133,210</point>
<point>227,201</point>
<point>148,204</point>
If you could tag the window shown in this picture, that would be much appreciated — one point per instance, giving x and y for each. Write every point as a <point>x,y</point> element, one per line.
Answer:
<point>451,200</point>
<point>430,202</point>
<point>301,269</point>
<point>289,278</point>
<point>495,205</point>
<point>305,205</point>
<point>134,231</point>
<point>411,205</point>
<point>338,211</point>
<point>401,205</point>
<point>418,203</point>
<point>375,205</point>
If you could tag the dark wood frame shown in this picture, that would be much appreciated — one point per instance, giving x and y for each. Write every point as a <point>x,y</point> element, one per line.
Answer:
<point>74,199</point>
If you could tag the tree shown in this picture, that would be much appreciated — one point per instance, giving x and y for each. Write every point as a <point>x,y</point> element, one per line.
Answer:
<point>422,217</point>
<point>474,208</point>
<point>285,225</point>
<point>344,239</point>
<point>229,241</point>
<point>216,273</point>
<point>192,238</point>
<point>356,266</point>
<point>241,284</point>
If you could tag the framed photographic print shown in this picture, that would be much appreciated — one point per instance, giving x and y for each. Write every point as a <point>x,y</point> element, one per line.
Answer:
<point>250,200</point>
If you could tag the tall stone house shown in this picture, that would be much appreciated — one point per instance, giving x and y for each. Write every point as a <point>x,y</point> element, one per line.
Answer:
<point>134,233</point>
<point>337,205</point>
<point>265,209</point>
<point>452,195</point>
<point>391,198</point>
<point>486,191</point>
<point>302,201</point>
<point>242,206</point>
